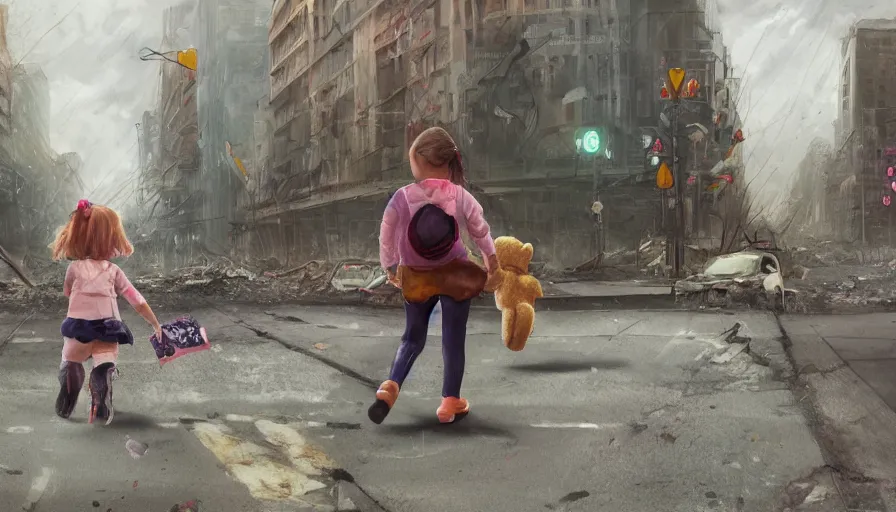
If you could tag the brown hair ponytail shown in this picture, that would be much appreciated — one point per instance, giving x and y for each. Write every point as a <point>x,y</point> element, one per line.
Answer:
<point>439,149</point>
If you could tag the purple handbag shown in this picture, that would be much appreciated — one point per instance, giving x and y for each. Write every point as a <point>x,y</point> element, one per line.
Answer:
<point>179,338</point>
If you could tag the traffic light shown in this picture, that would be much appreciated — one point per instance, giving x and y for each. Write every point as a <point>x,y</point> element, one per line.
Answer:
<point>593,141</point>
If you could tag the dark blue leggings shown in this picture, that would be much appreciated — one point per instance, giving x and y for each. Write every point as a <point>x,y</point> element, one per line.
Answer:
<point>454,333</point>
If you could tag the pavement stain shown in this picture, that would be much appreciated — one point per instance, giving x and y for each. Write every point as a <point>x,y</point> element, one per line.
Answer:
<point>263,471</point>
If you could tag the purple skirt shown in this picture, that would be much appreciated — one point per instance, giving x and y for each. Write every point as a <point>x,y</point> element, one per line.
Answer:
<point>108,329</point>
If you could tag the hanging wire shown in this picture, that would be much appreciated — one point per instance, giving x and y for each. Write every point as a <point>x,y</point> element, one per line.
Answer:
<point>186,59</point>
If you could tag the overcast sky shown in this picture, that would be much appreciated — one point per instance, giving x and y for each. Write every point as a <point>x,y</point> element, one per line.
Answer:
<point>787,50</point>
<point>98,87</point>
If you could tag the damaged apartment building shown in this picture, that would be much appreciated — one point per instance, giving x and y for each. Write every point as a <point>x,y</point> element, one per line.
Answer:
<point>38,188</point>
<point>858,195</point>
<point>203,119</point>
<point>353,82</point>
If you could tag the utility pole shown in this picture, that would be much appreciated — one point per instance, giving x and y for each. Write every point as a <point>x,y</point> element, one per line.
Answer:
<point>668,178</point>
<point>678,174</point>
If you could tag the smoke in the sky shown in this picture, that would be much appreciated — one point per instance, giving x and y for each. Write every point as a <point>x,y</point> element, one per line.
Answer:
<point>787,51</point>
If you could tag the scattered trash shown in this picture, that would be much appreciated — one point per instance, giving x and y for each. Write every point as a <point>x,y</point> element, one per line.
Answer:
<point>189,506</point>
<point>135,484</point>
<point>733,350</point>
<point>135,448</point>
<point>321,346</point>
<point>96,504</point>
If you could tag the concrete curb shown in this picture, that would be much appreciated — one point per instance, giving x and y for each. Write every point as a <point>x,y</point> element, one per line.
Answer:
<point>854,426</point>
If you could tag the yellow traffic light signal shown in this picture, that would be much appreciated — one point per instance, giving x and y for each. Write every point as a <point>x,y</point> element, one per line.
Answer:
<point>676,81</point>
<point>664,179</point>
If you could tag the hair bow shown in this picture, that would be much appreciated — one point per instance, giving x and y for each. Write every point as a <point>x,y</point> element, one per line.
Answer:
<point>84,206</point>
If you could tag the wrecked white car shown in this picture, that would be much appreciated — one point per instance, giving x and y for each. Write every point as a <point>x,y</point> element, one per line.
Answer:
<point>748,277</point>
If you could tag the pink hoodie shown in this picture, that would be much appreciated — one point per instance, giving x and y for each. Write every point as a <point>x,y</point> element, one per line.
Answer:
<point>454,199</point>
<point>92,287</point>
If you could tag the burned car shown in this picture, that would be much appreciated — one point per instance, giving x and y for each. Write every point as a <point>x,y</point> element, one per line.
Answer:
<point>749,277</point>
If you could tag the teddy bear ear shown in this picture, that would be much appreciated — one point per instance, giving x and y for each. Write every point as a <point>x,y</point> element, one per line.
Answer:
<point>529,249</point>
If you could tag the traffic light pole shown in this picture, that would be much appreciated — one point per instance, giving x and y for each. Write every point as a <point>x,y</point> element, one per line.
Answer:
<point>678,174</point>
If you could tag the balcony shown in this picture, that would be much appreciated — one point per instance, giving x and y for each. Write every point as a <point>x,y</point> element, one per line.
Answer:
<point>279,63</point>
<point>284,116</point>
<point>546,7</point>
<point>277,29</point>
<point>296,67</point>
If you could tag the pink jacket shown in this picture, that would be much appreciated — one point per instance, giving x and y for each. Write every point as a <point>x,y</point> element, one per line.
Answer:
<point>93,286</point>
<point>454,199</point>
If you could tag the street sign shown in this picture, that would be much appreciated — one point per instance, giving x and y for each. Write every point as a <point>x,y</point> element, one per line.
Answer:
<point>664,177</point>
<point>676,81</point>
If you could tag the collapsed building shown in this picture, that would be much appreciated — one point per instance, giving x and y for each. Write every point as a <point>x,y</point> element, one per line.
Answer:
<point>38,188</point>
<point>352,83</point>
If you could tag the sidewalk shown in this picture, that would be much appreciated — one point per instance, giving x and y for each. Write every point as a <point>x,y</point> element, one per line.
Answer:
<point>846,369</point>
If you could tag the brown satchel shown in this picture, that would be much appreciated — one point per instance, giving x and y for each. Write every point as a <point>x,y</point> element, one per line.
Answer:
<point>459,279</point>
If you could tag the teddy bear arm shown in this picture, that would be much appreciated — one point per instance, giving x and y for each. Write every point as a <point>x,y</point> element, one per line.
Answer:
<point>532,287</point>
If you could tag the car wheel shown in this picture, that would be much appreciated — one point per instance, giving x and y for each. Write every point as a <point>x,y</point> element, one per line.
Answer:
<point>779,299</point>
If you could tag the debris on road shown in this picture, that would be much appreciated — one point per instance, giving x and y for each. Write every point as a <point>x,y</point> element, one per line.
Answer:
<point>135,448</point>
<point>225,280</point>
<point>189,506</point>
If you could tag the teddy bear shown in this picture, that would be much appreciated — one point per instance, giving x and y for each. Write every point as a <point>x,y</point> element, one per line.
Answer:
<point>515,291</point>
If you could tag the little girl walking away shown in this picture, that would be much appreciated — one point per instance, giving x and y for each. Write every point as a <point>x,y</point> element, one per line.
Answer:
<point>93,327</point>
<point>424,255</point>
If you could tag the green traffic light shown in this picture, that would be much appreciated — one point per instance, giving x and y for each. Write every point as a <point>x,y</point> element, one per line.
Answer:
<point>591,142</point>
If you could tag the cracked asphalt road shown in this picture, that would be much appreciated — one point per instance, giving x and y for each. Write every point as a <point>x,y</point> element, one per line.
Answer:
<point>615,411</point>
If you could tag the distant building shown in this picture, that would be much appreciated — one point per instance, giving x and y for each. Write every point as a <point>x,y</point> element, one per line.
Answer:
<point>36,193</point>
<point>232,43</point>
<point>353,82</point>
<point>176,175</point>
<point>865,130</point>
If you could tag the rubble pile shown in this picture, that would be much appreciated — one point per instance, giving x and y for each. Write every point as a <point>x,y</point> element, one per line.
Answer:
<point>648,260</point>
<point>226,281</point>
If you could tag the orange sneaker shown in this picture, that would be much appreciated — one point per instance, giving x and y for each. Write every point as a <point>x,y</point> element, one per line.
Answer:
<point>386,396</point>
<point>452,409</point>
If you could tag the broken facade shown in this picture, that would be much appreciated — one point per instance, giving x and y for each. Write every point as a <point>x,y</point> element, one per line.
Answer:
<point>352,83</point>
<point>232,48</point>
<point>38,188</point>
<point>865,135</point>
<point>170,158</point>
